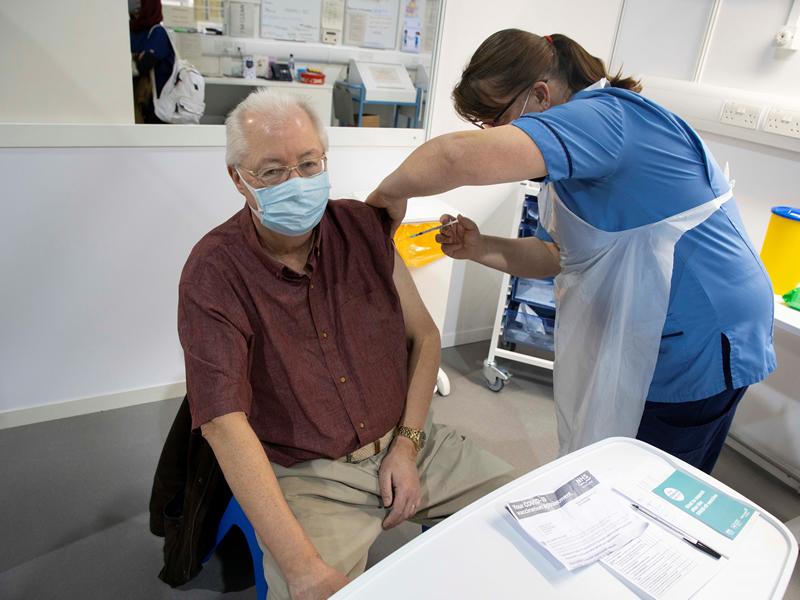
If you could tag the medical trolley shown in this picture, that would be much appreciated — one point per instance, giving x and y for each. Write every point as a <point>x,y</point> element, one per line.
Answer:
<point>524,324</point>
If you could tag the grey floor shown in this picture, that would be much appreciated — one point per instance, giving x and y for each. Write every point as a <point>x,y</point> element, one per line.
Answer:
<point>74,492</point>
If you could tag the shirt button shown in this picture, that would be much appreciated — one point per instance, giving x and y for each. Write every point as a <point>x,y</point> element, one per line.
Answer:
<point>361,425</point>
<point>343,379</point>
<point>324,335</point>
<point>312,286</point>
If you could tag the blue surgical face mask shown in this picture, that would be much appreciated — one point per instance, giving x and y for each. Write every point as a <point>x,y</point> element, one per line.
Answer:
<point>293,207</point>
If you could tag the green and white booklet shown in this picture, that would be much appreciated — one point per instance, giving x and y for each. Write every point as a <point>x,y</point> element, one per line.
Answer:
<point>705,503</point>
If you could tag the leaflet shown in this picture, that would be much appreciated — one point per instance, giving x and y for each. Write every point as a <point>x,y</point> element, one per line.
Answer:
<point>705,503</point>
<point>579,523</point>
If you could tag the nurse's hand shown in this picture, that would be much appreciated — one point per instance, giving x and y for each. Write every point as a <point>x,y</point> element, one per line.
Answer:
<point>394,207</point>
<point>462,240</point>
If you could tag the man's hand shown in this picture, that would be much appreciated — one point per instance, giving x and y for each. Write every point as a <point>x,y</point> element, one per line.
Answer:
<point>462,240</point>
<point>394,207</point>
<point>317,582</point>
<point>399,482</point>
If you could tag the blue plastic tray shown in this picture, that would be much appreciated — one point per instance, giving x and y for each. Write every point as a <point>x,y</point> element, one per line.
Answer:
<point>530,210</point>
<point>526,230</point>
<point>529,329</point>
<point>537,292</point>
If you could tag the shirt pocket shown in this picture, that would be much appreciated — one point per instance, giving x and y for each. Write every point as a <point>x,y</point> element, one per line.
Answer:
<point>373,324</point>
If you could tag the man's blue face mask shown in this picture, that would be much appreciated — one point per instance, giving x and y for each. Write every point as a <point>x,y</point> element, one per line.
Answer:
<point>293,207</point>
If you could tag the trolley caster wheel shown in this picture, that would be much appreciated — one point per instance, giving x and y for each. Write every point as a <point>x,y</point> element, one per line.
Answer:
<point>496,385</point>
<point>495,376</point>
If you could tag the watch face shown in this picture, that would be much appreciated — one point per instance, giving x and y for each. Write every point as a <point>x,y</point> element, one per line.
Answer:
<point>422,438</point>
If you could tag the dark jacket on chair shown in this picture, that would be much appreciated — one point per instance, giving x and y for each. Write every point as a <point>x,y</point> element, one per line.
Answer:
<point>188,499</point>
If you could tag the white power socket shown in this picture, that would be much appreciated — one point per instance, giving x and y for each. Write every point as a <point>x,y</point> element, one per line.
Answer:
<point>783,122</point>
<point>740,114</point>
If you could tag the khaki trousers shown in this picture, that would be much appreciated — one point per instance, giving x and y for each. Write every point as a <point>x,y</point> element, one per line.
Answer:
<point>339,506</point>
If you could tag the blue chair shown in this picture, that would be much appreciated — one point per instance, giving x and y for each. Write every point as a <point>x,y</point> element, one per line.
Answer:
<point>234,517</point>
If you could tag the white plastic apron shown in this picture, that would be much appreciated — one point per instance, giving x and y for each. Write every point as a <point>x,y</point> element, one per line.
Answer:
<point>611,296</point>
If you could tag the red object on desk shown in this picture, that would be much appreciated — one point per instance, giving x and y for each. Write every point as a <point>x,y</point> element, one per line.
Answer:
<point>312,77</point>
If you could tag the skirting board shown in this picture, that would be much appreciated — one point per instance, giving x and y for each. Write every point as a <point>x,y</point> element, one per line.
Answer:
<point>84,406</point>
<point>457,338</point>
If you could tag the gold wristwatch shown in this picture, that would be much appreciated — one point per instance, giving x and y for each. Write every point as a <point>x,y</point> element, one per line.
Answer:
<point>415,435</point>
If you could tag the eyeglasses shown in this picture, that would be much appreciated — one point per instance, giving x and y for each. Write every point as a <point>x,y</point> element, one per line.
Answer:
<point>276,175</point>
<point>497,120</point>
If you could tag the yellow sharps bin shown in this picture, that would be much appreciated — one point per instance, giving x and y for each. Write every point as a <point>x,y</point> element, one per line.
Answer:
<point>781,249</point>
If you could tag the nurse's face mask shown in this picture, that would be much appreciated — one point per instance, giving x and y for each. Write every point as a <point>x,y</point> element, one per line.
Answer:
<point>290,205</point>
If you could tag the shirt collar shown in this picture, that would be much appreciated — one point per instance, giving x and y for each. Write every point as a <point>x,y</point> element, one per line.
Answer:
<point>278,269</point>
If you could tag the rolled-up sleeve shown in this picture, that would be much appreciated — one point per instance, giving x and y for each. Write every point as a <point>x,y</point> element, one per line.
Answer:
<point>215,353</point>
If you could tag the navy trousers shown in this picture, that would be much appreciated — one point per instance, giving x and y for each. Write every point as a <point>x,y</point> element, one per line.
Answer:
<point>691,431</point>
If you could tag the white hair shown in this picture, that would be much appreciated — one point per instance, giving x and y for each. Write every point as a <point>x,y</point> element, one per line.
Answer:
<point>275,106</point>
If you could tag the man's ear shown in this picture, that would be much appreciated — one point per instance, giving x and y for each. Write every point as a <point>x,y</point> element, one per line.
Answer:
<point>237,181</point>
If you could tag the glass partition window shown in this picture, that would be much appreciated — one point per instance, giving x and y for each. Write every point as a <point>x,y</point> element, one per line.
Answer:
<point>359,63</point>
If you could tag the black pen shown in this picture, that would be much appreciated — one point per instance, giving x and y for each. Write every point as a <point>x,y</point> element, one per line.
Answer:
<point>684,536</point>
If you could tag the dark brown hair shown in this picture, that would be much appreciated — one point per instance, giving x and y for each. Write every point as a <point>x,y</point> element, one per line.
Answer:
<point>148,15</point>
<point>511,60</point>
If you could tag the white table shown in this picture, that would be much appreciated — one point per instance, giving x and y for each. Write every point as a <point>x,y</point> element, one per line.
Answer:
<point>477,553</point>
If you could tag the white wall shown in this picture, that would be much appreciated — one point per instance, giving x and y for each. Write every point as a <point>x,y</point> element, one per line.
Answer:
<point>91,255</point>
<point>743,54</point>
<point>474,289</point>
<point>65,62</point>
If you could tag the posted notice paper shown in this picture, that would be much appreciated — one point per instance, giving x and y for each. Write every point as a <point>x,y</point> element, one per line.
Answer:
<point>579,523</point>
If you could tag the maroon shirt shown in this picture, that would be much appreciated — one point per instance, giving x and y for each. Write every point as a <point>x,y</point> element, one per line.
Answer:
<point>317,361</point>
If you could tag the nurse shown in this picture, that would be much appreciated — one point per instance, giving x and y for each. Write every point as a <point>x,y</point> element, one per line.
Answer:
<point>664,310</point>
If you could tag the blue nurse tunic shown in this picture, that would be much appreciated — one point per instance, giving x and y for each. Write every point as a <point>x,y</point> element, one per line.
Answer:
<point>618,161</point>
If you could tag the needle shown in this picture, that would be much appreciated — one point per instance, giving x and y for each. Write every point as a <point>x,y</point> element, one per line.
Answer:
<point>438,227</point>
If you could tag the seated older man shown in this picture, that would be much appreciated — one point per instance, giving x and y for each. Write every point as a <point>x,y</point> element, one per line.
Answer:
<point>311,363</point>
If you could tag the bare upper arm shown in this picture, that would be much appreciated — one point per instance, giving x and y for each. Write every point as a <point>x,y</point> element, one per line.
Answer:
<point>224,423</point>
<point>497,155</point>
<point>418,320</point>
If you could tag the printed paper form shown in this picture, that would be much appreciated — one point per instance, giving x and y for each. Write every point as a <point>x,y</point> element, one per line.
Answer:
<point>372,23</point>
<point>356,29</point>
<point>579,523</point>
<point>333,14</point>
<point>430,22</point>
<point>660,566</point>
<point>295,20</point>
<point>385,77</point>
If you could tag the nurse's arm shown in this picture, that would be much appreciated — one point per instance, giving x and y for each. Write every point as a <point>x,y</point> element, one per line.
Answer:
<point>482,157</point>
<point>523,257</point>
